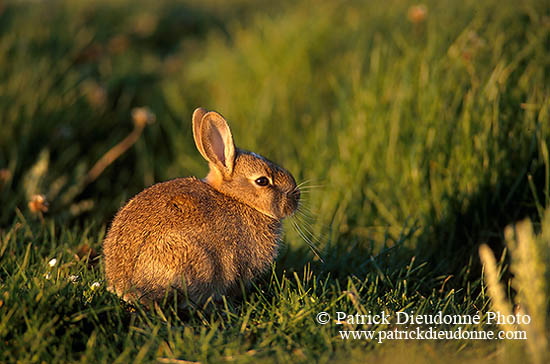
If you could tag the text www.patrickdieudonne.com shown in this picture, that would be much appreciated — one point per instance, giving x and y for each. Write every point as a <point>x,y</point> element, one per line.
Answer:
<point>408,326</point>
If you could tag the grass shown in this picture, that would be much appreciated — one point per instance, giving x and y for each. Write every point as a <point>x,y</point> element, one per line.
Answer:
<point>422,136</point>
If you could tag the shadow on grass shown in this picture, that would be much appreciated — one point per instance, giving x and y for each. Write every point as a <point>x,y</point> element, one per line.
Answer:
<point>453,242</point>
<point>449,246</point>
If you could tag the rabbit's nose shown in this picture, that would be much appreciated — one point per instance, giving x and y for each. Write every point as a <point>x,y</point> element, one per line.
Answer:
<point>295,194</point>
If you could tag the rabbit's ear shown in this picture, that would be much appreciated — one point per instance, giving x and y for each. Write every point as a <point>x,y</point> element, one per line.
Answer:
<point>198,114</point>
<point>217,142</point>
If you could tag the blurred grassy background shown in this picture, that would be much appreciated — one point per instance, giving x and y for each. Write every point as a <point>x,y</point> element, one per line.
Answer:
<point>435,119</point>
<point>426,127</point>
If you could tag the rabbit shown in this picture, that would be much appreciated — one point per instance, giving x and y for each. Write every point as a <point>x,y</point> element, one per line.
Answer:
<point>201,238</point>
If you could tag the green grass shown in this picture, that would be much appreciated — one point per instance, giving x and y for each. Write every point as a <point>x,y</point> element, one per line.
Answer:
<point>420,141</point>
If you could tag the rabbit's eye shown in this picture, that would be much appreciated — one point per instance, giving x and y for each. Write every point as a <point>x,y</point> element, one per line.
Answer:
<point>262,181</point>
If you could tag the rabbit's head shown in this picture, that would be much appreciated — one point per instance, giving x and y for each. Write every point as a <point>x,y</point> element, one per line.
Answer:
<point>242,175</point>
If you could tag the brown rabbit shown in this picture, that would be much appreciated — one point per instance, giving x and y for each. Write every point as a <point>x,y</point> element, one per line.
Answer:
<point>201,237</point>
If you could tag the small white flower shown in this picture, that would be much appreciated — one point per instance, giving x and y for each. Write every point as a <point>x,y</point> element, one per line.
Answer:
<point>52,262</point>
<point>47,276</point>
<point>73,278</point>
<point>95,286</point>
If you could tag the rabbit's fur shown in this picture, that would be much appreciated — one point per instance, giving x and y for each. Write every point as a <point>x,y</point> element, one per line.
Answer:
<point>201,238</point>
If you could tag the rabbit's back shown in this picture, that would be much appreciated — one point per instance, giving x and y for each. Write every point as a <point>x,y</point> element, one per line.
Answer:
<point>186,235</point>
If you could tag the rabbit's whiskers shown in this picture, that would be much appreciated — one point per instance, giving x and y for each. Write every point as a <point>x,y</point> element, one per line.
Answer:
<point>304,229</point>
<point>310,243</point>
<point>305,185</point>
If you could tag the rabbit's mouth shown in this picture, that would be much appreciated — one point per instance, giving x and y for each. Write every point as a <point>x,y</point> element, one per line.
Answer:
<point>290,203</point>
<point>283,206</point>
